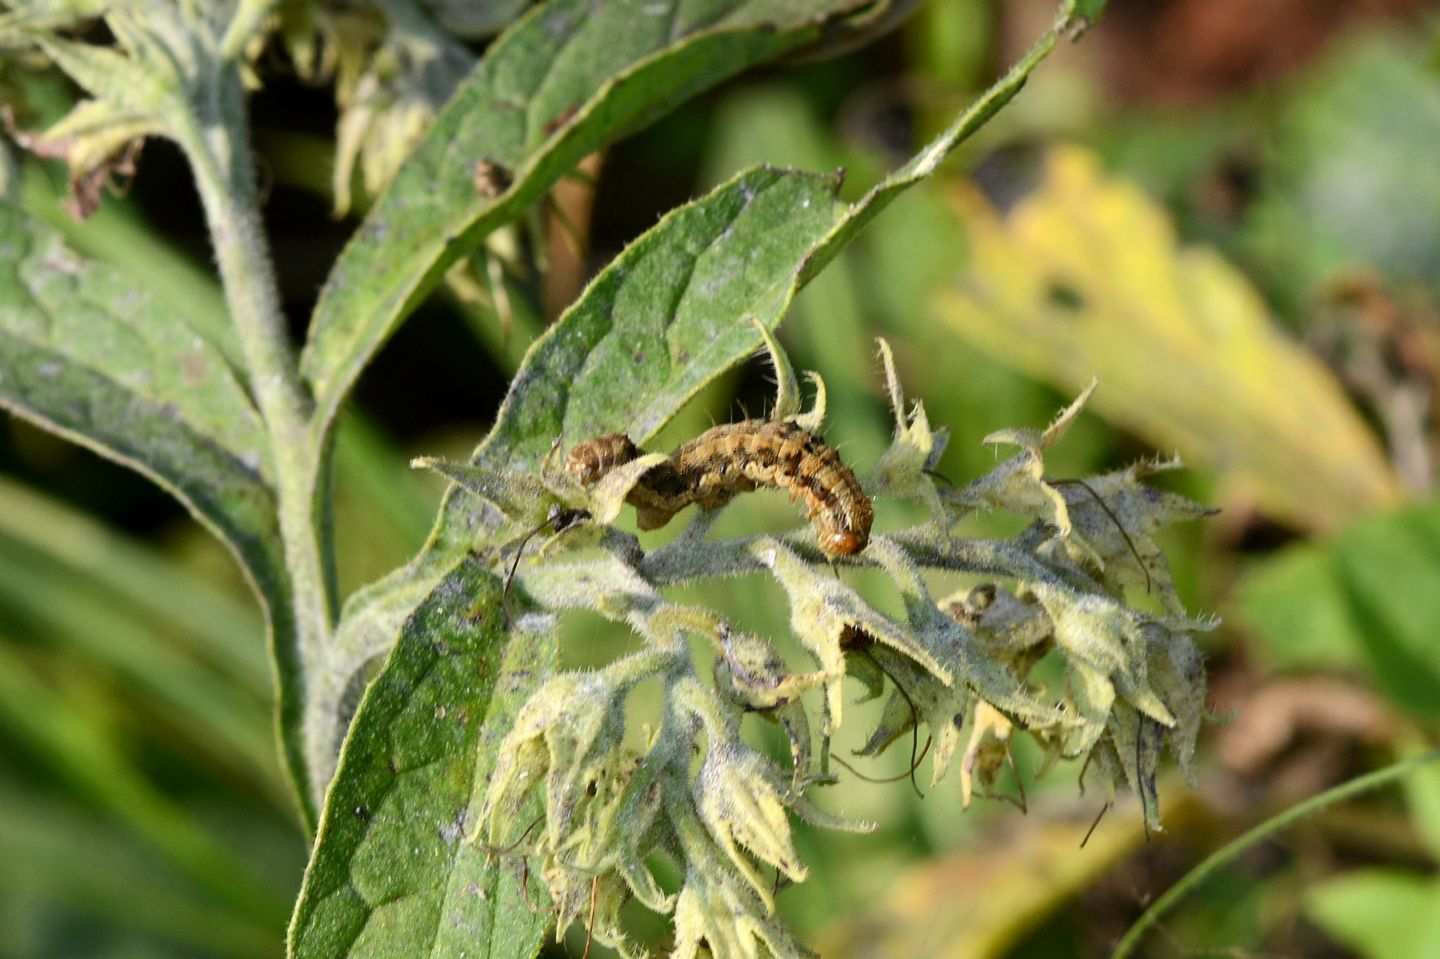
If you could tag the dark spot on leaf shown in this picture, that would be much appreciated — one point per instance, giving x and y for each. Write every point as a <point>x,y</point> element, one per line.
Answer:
<point>362,814</point>
<point>561,118</point>
<point>1064,296</point>
<point>492,178</point>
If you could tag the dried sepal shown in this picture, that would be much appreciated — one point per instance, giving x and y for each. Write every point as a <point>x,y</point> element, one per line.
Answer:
<point>738,794</point>
<point>1006,627</point>
<point>813,418</point>
<point>591,900</point>
<point>1136,740</point>
<point>752,671</point>
<point>986,753</point>
<point>787,387</point>
<point>1107,636</point>
<point>1119,518</point>
<point>712,916</point>
<point>1177,672</point>
<point>521,499</point>
<point>917,697</point>
<point>569,733</point>
<point>720,911</point>
<point>822,608</point>
<point>904,468</point>
<point>1018,484</point>
<point>608,495</point>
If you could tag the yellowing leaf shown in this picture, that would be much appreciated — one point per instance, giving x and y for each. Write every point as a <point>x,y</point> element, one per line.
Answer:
<point>1085,278</point>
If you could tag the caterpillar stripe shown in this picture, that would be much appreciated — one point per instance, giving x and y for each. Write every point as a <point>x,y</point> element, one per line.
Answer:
<point>735,458</point>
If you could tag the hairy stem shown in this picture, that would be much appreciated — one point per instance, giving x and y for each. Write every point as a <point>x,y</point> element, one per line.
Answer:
<point>216,142</point>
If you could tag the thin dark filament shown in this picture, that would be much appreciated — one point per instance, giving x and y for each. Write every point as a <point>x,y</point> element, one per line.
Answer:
<point>916,755</point>
<point>525,880</point>
<point>1084,768</point>
<point>1019,783</point>
<point>936,474</point>
<point>1140,776</point>
<point>507,850</point>
<point>1118,525</point>
<point>1098,816</point>
<point>908,774</point>
<point>515,565</point>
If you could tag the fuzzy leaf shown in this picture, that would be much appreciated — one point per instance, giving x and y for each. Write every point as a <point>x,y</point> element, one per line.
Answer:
<point>522,499</point>
<point>87,353</point>
<point>658,324</point>
<point>1379,913</point>
<point>787,387</point>
<point>1365,597</point>
<point>915,448</point>
<point>1118,519</point>
<point>561,83</point>
<point>823,608</point>
<point>1018,485</point>
<point>391,873</point>
<point>1085,277</point>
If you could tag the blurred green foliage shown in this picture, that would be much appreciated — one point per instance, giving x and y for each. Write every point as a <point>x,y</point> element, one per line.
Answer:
<point>142,808</point>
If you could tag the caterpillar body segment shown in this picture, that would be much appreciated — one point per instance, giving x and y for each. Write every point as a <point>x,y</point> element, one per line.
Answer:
<point>735,458</point>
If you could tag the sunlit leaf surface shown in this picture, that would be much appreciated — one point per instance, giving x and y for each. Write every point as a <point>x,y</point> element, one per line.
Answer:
<point>1084,277</point>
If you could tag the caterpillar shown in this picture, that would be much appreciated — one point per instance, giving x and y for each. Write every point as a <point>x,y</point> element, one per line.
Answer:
<point>735,458</point>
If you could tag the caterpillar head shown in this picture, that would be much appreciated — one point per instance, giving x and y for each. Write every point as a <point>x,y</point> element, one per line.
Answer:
<point>844,530</point>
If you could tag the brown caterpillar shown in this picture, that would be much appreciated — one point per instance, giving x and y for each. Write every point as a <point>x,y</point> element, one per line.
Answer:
<point>736,458</point>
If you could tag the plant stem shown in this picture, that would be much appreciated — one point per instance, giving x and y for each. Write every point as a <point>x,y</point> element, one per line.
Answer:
<point>216,142</point>
<point>1269,827</point>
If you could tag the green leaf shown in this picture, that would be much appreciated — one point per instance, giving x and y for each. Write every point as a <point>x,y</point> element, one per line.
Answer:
<point>1291,598</point>
<point>61,845</point>
<point>668,316</point>
<point>75,744</point>
<point>1422,795</point>
<point>651,330</point>
<point>87,353</point>
<point>1365,118</point>
<point>75,616</point>
<point>1088,11</point>
<point>393,873</point>
<point>1381,914</point>
<point>564,81</point>
<point>136,578</point>
<point>1368,595</point>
